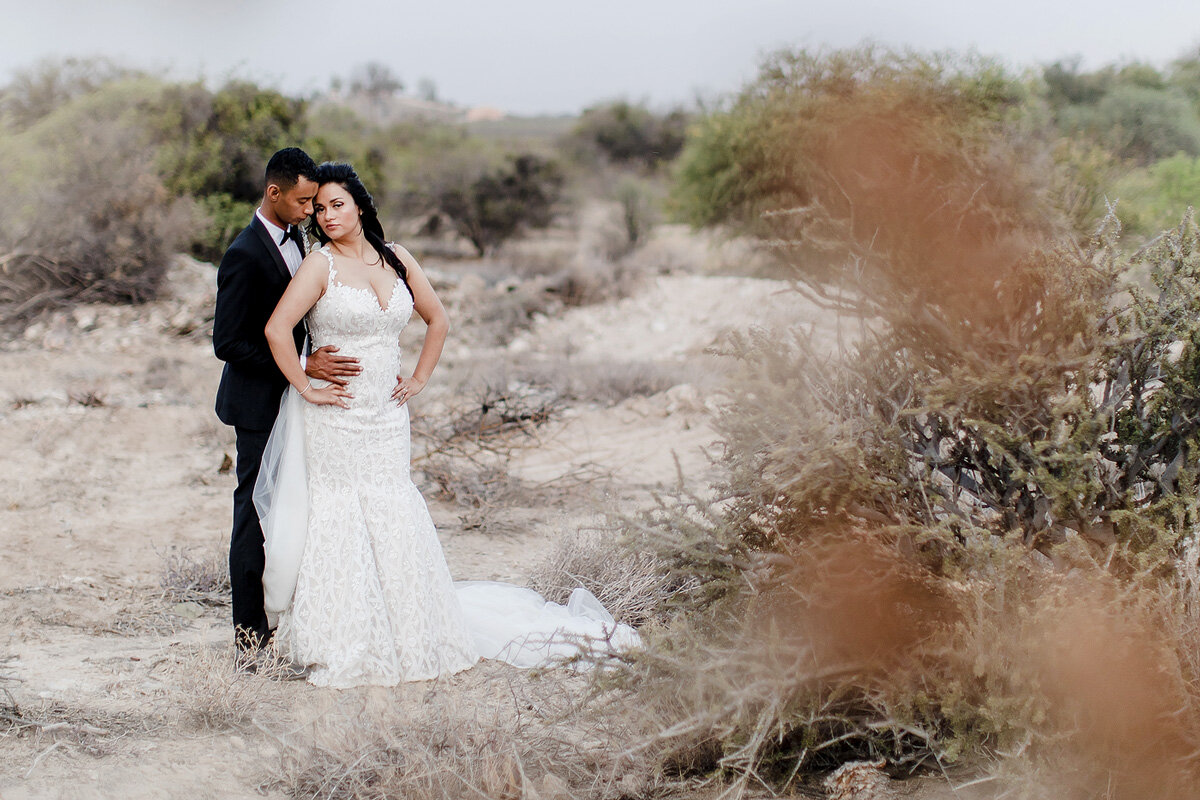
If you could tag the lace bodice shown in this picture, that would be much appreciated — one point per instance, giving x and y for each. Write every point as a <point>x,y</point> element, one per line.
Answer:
<point>351,318</point>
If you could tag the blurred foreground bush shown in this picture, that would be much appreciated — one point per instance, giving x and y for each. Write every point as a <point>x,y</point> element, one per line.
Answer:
<point>961,537</point>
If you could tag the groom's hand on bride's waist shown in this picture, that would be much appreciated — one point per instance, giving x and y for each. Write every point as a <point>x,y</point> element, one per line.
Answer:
<point>324,364</point>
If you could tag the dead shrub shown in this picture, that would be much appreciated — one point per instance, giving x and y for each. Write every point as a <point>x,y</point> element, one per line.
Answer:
<point>88,398</point>
<point>481,491</point>
<point>192,576</point>
<point>494,410</point>
<point>538,390</point>
<point>537,257</point>
<point>812,667</point>
<point>609,382</point>
<point>484,490</point>
<point>222,688</point>
<point>629,581</point>
<point>543,282</point>
<point>591,280</point>
<point>492,315</point>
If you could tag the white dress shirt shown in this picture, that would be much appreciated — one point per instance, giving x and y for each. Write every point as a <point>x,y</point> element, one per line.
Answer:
<point>291,254</point>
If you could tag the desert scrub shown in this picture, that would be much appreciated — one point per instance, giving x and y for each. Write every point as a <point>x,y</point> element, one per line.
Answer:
<point>922,550</point>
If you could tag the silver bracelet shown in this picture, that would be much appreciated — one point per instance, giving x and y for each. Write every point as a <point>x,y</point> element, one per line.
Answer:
<point>306,388</point>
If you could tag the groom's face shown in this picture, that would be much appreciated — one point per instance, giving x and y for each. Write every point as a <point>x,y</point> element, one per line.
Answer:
<point>294,205</point>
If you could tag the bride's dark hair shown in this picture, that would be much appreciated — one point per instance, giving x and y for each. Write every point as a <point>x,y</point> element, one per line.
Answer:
<point>344,175</point>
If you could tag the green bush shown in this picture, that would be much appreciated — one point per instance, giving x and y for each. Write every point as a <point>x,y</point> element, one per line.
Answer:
<point>213,146</point>
<point>1146,124</point>
<point>624,133</point>
<point>1150,198</point>
<point>1136,111</point>
<point>491,207</point>
<point>37,92</point>
<point>95,221</point>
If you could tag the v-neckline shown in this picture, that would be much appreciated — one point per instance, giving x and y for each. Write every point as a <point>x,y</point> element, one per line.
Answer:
<point>369,288</point>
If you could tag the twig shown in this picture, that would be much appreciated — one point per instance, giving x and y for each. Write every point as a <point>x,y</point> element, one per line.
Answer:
<point>41,756</point>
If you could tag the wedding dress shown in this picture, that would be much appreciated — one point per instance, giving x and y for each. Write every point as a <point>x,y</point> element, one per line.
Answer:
<point>354,568</point>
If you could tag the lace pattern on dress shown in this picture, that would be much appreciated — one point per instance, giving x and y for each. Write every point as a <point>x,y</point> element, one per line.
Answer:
<point>374,601</point>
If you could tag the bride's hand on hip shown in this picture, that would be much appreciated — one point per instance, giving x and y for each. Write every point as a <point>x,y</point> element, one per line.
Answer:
<point>406,389</point>
<point>332,395</point>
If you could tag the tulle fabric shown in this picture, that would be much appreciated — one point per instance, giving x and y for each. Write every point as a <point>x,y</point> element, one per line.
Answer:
<point>520,627</point>
<point>281,499</point>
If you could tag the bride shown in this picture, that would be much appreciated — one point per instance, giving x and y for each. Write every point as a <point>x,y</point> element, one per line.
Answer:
<point>354,567</point>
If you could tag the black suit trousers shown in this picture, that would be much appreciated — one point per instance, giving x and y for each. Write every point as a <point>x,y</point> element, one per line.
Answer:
<point>246,556</point>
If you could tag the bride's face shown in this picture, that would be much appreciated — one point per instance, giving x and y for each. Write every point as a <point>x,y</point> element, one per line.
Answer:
<point>336,211</point>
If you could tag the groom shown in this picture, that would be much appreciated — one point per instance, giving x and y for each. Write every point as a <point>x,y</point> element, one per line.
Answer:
<point>252,277</point>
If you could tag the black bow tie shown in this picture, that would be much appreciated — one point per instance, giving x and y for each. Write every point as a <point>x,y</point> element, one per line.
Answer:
<point>293,233</point>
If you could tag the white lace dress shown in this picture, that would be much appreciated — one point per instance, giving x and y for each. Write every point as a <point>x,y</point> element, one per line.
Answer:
<point>374,602</point>
<point>354,569</point>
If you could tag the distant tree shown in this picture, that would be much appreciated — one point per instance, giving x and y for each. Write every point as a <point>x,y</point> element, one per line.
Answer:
<point>213,146</point>
<point>1136,111</point>
<point>1067,85</point>
<point>376,80</point>
<point>1184,74</point>
<point>427,90</point>
<point>495,205</point>
<point>626,133</point>
<point>1145,124</point>
<point>218,142</point>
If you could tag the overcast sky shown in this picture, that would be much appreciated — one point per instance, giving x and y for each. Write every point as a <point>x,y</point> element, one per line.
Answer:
<point>558,56</point>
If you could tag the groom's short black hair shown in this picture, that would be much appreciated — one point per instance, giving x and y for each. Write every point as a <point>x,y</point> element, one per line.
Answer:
<point>288,166</point>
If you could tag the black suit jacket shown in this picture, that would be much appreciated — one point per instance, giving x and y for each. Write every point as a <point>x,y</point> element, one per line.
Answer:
<point>250,281</point>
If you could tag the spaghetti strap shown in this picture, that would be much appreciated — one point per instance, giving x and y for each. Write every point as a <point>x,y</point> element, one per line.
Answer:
<point>332,271</point>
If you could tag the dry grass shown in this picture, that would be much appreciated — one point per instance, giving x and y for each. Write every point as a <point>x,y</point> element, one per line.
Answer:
<point>96,608</point>
<point>217,692</point>
<point>529,738</point>
<point>192,576</point>
<point>1031,679</point>
<point>51,726</point>
<point>484,490</point>
<point>630,581</point>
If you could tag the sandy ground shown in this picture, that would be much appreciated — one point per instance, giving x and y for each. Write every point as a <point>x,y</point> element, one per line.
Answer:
<point>113,464</point>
